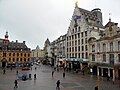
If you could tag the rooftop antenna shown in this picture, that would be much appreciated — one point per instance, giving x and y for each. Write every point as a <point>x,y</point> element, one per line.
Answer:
<point>109,17</point>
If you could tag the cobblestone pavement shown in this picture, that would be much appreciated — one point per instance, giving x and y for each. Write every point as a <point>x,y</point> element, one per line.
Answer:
<point>45,81</point>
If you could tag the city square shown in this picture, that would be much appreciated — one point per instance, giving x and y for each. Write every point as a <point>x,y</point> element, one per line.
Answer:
<point>66,45</point>
<point>45,81</point>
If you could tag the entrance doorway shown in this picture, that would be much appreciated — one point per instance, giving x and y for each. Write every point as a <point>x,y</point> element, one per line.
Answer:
<point>95,70</point>
<point>100,72</point>
<point>111,73</point>
<point>105,72</point>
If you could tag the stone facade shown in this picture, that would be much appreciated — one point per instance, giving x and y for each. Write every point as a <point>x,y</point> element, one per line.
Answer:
<point>37,54</point>
<point>105,52</point>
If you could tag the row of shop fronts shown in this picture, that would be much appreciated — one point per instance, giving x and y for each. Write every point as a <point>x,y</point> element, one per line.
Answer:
<point>98,69</point>
<point>105,70</point>
<point>76,64</point>
<point>4,63</point>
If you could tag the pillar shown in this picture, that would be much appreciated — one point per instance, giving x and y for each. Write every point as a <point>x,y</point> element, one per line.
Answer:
<point>109,72</point>
<point>102,72</point>
<point>113,75</point>
<point>97,71</point>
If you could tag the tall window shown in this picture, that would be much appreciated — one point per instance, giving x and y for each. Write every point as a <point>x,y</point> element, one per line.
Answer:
<point>98,47</point>
<point>72,49</point>
<point>82,41</point>
<point>13,54</point>
<point>75,48</point>
<point>78,42</point>
<point>93,57</point>
<point>78,48</point>
<point>9,54</point>
<point>17,54</point>
<point>78,28</point>
<point>79,55</point>
<point>104,47</point>
<point>82,48</point>
<point>86,47</point>
<point>104,57</point>
<point>118,57</point>
<point>85,33</point>
<point>82,55</point>
<point>111,46</point>
<point>75,42</point>
<point>69,37</point>
<point>111,57</point>
<point>93,48</point>
<point>78,35</point>
<point>82,34</point>
<point>75,36</point>
<point>118,45</point>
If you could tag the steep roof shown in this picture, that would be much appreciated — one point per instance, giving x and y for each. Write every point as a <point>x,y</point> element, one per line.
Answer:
<point>92,15</point>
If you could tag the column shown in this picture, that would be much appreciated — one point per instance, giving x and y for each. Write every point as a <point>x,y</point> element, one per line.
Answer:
<point>97,71</point>
<point>109,72</point>
<point>113,75</point>
<point>102,72</point>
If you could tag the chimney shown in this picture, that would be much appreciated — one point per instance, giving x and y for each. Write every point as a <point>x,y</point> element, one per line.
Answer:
<point>16,41</point>
<point>24,42</point>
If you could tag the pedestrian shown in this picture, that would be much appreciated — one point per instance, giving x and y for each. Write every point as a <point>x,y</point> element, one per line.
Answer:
<point>63,74</point>
<point>58,85</point>
<point>4,71</point>
<point>35,68</point>
<point>17,72</point>
<point>35,76</point>
<point>16,84</point>
<point>52,73</point>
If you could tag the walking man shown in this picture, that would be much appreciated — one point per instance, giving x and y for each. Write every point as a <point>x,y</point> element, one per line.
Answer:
<point>16,84</point>
<point>58,85</point>
<point>52,73</point>
<point>35,76</point>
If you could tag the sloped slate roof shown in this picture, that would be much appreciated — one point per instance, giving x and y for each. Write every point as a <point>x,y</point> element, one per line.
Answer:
<point>91,15</point>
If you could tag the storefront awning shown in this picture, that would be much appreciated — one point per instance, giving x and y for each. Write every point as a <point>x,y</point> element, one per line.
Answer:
<point>76,59</point>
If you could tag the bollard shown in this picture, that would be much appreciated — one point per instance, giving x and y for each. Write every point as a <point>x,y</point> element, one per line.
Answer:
<point>29,75</point>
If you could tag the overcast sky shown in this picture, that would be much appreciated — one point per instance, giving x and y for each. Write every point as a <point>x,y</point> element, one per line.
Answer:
<point>34,21</point>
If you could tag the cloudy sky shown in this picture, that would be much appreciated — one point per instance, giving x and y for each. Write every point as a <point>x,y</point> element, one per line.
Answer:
<point>34,21</point>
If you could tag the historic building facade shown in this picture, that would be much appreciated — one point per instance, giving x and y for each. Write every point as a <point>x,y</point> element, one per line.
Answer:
<point>105,52</point>
<point>84,24</point>
<point>13,53</point>
<point>37,54</point>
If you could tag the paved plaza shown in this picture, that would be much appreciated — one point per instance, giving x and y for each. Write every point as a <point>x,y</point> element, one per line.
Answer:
<point>45,81</point>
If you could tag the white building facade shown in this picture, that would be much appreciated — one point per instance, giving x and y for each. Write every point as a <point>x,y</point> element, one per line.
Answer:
<point>84,25</point>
